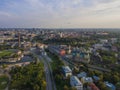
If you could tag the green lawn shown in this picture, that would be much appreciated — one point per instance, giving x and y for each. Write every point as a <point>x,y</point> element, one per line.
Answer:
<point>3,82</point>
<point>5,53</point>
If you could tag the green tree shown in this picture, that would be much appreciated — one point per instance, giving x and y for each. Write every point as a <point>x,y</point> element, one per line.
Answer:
<point>73,88</point>
<point>30,77</point>
<point>43,84</point>
<point>102,86</point>
<point>118,86</point>
<point>115,79</point>
<point>36,87</point>
<point>66,87</point>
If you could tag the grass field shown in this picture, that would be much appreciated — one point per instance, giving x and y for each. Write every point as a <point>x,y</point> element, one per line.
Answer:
<point>3,82</point>
<point>5,53</point>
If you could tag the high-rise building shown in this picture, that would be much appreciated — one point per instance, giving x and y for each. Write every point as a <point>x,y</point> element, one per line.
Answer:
<point>19,41</point>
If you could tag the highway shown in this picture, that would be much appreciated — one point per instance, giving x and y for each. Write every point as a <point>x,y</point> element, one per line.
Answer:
<point>47,74</point>
<point>48,71</point>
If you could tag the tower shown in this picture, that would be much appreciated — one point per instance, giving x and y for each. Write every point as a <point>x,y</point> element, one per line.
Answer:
<point>19,42</point>
<point>69,50</point>
<point>61,34</point>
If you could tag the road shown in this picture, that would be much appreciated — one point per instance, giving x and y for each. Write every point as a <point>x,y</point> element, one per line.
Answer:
<point>48,71</point>
<point>47,74</point>
<point>48,60</point>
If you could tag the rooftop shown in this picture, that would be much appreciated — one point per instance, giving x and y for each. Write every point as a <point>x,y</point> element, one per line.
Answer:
<point>110,86</point>
<point>93,86</point>
<point>87,79</point>
<point>66,69</point>
<point>96,78</point>
<point>82,74</point>
<point>75,81</point>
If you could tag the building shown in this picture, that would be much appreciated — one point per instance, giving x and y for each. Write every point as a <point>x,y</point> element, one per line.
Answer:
<point>113,40</point>
<point>103,41</point>
<point>96,78</point>
<point>66,71</point>
<point>1,41</point>
<point>62,52</point>
<point>75,82</point>
<point>97,46</point>
<point>19,41</point>
<point>87,80</point>
<point>61,35</point>
<point>69,49</point>
<point>110,86</point>
<point>82,74</point>
<point>92,86</point>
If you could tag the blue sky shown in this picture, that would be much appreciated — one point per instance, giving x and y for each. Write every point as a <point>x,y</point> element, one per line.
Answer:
<point>60,13</point>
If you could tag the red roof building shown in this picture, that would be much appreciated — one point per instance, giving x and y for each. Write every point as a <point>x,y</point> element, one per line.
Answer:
<point>92,86</point>
<point>62,52</point>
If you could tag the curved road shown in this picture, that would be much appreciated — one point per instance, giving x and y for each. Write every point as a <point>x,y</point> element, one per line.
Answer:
<point>47,74</point>
<point>48,71</point>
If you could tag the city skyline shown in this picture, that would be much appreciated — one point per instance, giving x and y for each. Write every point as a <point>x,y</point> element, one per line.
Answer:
<point>60,14</point>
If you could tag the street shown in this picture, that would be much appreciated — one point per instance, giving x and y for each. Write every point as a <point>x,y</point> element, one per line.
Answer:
<point>47,74</point>
<point>48,71</point>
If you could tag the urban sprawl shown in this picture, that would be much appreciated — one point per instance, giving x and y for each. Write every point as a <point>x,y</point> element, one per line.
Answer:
<point>59,59</point>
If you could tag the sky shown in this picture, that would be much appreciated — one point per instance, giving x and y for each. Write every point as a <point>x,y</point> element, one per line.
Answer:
<point>60,13</point>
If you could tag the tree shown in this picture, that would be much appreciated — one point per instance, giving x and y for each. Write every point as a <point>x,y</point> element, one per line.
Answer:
<point>4,66</point>
<point>115,79</point>
<point>36,87</point>
<point>118,86</point>
<point>44,85</point>
<point>30,77</point>
<point>73,88</point>
<point>102,86</point>
<point>66,87</point>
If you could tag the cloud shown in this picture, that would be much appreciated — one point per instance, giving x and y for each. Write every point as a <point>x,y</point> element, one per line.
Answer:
<point>60,13</point>
<point>5,14</point>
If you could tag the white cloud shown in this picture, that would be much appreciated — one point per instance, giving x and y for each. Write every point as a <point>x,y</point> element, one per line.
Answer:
<point>5,14</point>
<point>62,13</point>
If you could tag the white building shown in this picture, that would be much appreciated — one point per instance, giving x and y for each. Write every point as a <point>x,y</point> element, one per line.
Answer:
<point>75,82</point>
<point>98,46</point>
<point>66,71</point>
<point>114,40</point>
<point>103,41</point>
<point>87,80</point>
